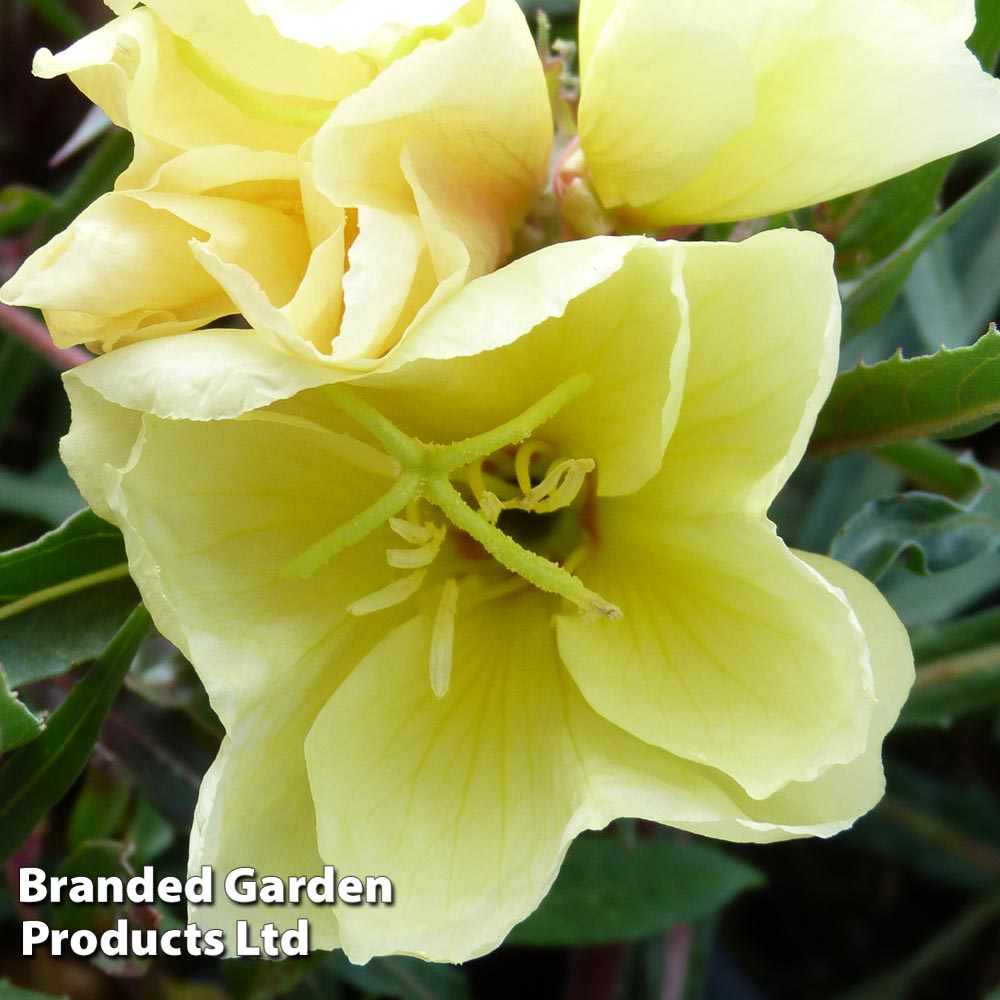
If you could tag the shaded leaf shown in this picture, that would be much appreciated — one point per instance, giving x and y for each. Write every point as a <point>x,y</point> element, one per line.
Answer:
<point>950,688</point>
<point>930,533</point>
<point>62,598</point>
<point>35,777</point>
<point>870,298</point>
<point>946,393</point>
<point>9,992</point>
<point>399,978</point>
<point>17,724</point>
<point>610,891</point>
<point>935,467</point>
<point>43,496</point>
<point>20,206</point>
<point>945,948</point>
<point>889,215</point>
<point>935,641</point>
<point>943,831</point>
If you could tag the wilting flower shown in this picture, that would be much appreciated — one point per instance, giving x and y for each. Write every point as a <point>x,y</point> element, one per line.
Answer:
<point>515,584</point>
<point>708,112</point>
<point>328,175</point>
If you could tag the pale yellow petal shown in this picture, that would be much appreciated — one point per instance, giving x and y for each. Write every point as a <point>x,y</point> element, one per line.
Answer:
<point>627,777</point>
<point>253,49</point>
<point>208,549</point>
<point>765,325</point>
<point>958,15</point>
<point>210,375</point>
<point>465,802</point>
<point>731,652</point>
<point>661,96</point>
<point>120,269</point>
<point>489,144</point>
<point>135,70</point>
<point>610,308</point>
<point>848,93</point>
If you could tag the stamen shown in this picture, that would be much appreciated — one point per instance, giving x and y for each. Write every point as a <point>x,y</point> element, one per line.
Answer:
<point>558,489</point>
<point>410,530</point>
<point>443,639</point>
<point>522,462</point>
<point>422,556</point>
<point>389,596</point>
<point>543,573</point>
<point>491,507</point>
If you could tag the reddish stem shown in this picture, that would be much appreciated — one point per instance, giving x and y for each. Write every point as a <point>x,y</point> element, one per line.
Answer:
<point>679,942</point>
<point>33,333</point>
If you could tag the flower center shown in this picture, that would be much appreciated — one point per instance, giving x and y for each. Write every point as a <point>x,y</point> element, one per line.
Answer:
<point>530,499</point>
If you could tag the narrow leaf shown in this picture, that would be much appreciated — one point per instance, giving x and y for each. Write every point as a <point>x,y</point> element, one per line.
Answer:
<point>35,777</point>
<point>62,598</point>
<point>610,891</point>
<point>947,393</point>
<point>872,296</point>
<point>17,724</point>
<point>888,216</point>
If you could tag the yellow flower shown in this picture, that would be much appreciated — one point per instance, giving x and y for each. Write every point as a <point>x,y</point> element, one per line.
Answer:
<point>329,175</point>
<point>517,583</point>
<point>715,111</point>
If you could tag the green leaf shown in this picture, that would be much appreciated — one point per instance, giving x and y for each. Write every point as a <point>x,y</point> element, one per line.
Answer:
<point>9,992</point>
<point>935,467</point>
<point>888,216</point>
<point>944,831</point>
<point>17,725</point>
<point>947,393</point>
<point>18,365</point>
<point>43,496</point>
<point>35,777</point>
<point>62,598</point>
<point>931,533</point>
<point>869,300</point>
<point>60,16</point>
<point>100,805</point>
<point>612,891</point>
<point>985,40</point>
<point>962,635</point>
<point>952,687</point>
<point>20,206</point>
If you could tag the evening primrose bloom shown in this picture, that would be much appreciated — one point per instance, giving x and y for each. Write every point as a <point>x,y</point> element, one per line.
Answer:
<point>326,174</point>
<point>717,111</point>
<point>445,637</point>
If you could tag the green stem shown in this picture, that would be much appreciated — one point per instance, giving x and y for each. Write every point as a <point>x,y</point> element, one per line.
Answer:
<point>358,528</point>
<point>62,589</point>
<point>545,575</point>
